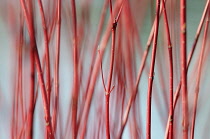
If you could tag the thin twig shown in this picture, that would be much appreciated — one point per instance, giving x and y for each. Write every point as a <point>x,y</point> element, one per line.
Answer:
<point>30,26</point>
<point>197,86</point>
<point>151,73</point>
<point>57,62</point>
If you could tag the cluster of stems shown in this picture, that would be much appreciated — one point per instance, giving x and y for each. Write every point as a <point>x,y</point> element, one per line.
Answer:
<point>53,36</point>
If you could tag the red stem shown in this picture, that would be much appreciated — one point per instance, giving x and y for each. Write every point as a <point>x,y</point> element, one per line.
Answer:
<point>141,68</point>
<point>95,72</point>
<point>170,71</point>
<point>183,44</point>
<point>31,97</point>
<point>47,55</point>
<point>48,86</point>
<point>100,27</point>
<point>108,91</point>
<point>197,33</point>
<point>30,26</point>
<point>176,94</point>
<point>56,83</point>
<point>76,75</point>
<point>151,74</point>
<point>197,86</point>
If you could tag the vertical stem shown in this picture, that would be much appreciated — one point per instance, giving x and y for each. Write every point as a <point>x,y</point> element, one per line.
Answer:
<point>110,79</point>
<point>107,117</point>
<point>197,86</point>
<point>108,91</point>
<point>76,78</point>
<point>30,26</point>
<point>183,49</point>
<point>176,94</point>
<point>151,73</point>
<point>20,76</point>
<point>171,111</point>
<point>95,71</point>
<point>133,96</point>
<point>31,97</point>
<point>54,119</point>
<point>47,55</point>
<point>170,71</point>
<point>99,31</point>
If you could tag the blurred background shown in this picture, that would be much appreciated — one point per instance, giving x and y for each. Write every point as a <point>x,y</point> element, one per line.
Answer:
<point>132,33</point>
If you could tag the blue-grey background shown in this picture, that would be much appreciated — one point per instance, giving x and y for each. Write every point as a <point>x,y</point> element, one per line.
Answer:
<point>194,12</point>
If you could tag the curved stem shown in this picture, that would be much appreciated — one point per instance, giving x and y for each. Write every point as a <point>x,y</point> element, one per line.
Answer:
<point>197,86</point>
